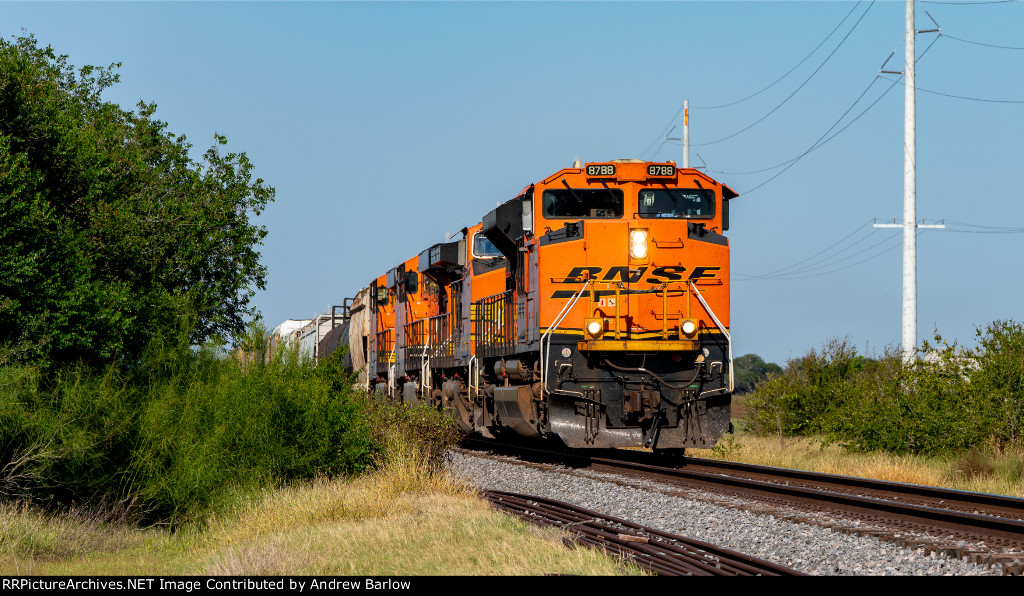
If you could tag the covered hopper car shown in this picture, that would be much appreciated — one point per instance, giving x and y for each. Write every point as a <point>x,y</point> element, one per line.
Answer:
<point>593,308</point>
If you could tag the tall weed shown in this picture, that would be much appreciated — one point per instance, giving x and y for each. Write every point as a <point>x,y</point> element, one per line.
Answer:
<point>248,422</point>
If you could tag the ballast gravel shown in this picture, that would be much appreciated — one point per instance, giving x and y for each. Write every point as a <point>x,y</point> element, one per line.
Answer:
<point>805,547</point>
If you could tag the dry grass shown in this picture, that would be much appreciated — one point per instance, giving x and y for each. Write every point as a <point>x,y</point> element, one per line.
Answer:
<point>381,495</point>
<point>404,520</point>
<point>424,535</point>
<point>400,521</point>
<point>1000,472</point>
<point>31,540</point>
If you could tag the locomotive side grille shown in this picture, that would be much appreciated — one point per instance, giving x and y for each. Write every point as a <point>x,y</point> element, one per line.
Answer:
<point>494,325</point>
<point>415,342</point>
<point>443,339</point>
<point>385,345</point>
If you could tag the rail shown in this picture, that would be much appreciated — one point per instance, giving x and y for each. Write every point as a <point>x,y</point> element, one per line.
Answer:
<point>656,551</point>
<point>494,325</point>
<point>444,334</point>
<point>983,528</point>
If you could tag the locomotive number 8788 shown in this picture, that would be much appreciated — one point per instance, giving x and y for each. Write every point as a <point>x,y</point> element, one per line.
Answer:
<point>593,308</point>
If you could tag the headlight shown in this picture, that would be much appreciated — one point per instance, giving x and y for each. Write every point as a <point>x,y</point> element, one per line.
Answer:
<point>687,328</point>
<point>638,244</point>
<point>595,328</point>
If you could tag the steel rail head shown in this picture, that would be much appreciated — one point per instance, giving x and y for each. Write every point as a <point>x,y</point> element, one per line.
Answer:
<point>666,554</point>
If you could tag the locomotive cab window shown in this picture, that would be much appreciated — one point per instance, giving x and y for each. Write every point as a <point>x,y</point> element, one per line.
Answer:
<point>483,248</point>
<point>412,282</point>
<point>582,203</point>
<point>677,203</point>
<point>430,287</point>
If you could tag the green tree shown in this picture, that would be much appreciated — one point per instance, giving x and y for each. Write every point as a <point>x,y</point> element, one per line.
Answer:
<point>750,370</point>
<point>111,235</point>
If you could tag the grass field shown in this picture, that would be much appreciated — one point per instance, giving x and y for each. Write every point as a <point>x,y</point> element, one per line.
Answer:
<point>398,521</point>
<point>404,519</point>
<point>999,471</point>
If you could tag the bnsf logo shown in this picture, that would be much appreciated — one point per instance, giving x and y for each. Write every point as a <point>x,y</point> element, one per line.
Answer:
<point>659,275</point>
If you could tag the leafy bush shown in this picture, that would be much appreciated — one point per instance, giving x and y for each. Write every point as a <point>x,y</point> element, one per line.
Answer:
<point>799,400</point>
<point>950,401</point>
<point>996,372</point>
<point>420,434</point>
<point>111,237</point>
<point>171,436</point>
<point>244,422</point>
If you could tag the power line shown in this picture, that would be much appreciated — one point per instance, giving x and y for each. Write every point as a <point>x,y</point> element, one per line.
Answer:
<point>820,252</point>
<point>965,2</point>
<point>886,250</point>
<point>820,140</point>
<point>983,229</point>
<point>797,90</point>
<point>794,275</point>
<point>978,43</point>
<point>664,133</point>
<point>830,261</point>
<point>790,71</point>
<point>979,99</point>
<point>800,274</point>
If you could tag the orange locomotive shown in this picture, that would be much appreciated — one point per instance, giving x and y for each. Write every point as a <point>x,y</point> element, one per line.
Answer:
<point>593,307</point>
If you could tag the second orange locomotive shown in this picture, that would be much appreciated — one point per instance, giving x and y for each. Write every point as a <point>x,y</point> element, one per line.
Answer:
<point>592,307</point>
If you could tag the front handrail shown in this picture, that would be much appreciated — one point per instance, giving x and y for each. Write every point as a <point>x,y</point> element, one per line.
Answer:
<point>725,332</point>
<point>620,290</point>
<point>546,356</point>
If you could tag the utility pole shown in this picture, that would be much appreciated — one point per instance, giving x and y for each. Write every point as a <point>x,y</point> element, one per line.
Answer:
<point>910,225</point>
<point>686,133</point>
<point>910,195</point>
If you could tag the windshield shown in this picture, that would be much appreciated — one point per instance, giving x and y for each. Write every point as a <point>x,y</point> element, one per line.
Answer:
<point>482,247</point>
<point>677,202</point>
<point>583,202</point>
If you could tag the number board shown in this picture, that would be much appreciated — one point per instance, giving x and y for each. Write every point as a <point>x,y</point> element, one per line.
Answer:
<point>601,170</point>
<point>661,170</point>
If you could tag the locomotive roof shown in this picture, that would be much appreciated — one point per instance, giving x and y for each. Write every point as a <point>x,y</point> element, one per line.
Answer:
<point>727,192</point>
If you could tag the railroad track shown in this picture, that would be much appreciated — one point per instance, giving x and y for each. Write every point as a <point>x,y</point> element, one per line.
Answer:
<point>656,551</point>
<point>982,527</point>
<point>1000,506</point>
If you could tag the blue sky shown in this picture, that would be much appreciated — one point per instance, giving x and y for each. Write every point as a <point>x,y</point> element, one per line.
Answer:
<point>384,125</point>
